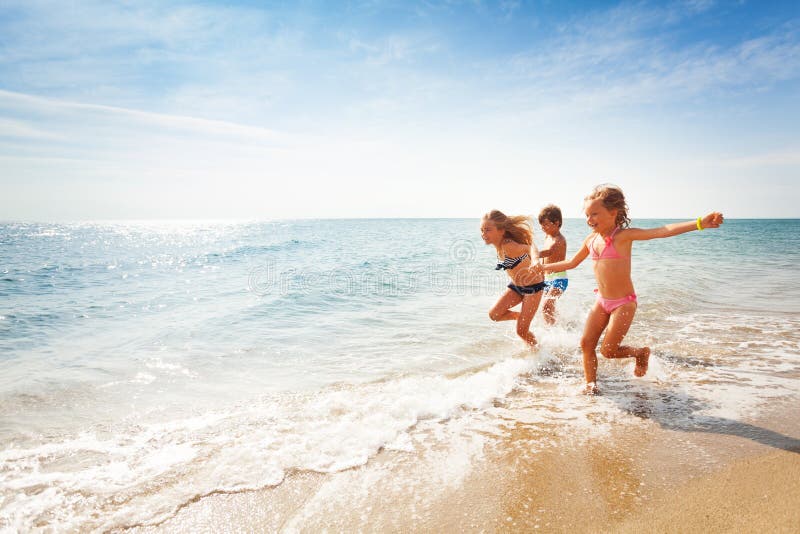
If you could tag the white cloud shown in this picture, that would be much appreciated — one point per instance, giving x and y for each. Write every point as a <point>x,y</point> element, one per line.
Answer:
<point>75,115</point>
<point>698,6</point>
<point>619,58</point>
<point>509,7</point>
<point>215,111</point>
<point>23,129</point>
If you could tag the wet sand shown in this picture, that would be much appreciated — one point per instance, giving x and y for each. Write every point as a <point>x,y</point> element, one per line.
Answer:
<point>759,494</point>
<point>743,477</point>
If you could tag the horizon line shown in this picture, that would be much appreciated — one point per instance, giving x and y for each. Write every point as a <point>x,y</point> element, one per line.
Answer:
<point>188,220</point>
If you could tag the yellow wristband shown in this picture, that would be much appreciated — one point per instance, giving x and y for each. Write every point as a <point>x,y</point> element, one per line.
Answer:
<point>699,223</point>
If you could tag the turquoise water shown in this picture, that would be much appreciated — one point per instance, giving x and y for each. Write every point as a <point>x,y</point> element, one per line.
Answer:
<point>148,363</point>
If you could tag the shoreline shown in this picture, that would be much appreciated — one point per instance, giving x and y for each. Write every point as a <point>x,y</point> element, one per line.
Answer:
<point>648,478</point>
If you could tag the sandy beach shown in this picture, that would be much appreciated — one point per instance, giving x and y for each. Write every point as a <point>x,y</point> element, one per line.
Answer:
<point>755,494</point>
<point>741,478</point>
<point>279,266</point>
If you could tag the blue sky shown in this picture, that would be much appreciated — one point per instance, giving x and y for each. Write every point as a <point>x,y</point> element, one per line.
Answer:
<point>382,109</point>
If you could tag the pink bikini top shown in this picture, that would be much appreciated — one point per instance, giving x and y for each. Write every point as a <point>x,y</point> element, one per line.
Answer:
<point>609,252</point>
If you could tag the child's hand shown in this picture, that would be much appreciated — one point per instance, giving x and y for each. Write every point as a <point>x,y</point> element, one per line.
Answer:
<point>712,220</point>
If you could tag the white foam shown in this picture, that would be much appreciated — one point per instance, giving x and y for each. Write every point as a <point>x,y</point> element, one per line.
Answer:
<point>143,378</point>
<point>169,368</point>
<point>433,470</point>
<point>402,443</point>
<point>254,445</point>
<point>250,447</point>
<point>656,371</point>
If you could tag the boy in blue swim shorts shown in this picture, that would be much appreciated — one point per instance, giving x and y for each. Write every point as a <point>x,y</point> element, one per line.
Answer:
<point>554,249</point>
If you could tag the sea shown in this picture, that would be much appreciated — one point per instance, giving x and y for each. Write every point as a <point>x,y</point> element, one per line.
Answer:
<point>147,364</point>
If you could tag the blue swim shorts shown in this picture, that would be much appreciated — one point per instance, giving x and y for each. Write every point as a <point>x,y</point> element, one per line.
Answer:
<point>557,283</point>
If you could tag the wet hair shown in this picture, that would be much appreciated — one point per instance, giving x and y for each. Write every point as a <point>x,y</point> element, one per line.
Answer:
<point>552,213</point>
<point>515,227</point>
<point>613,199</point>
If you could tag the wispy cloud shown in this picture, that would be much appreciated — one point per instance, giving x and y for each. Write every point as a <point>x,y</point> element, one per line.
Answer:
<point>67,115</point>
<point>272,101</point>
<point>24,130</point>
<point>143,55</point>
<point>629,56</point>
<point>247,64</point>
<point>403,48</point>
<point>509,7</point>
<point>698,6</point>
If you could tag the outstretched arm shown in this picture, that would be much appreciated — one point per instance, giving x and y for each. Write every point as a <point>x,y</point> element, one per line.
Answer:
<point>567,264</point>
<point>712,220</point>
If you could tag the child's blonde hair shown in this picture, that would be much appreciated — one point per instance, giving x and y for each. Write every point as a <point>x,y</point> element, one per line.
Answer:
<point>613,199</point>
<point>517,227</point>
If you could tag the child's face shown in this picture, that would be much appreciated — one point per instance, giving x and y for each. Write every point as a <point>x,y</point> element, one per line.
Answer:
<point>490,233</point>
<point>549,227</point>
<point>598,217</point>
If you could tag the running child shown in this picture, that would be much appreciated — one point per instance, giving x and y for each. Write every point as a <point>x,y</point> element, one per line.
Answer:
<point>610,247</point>
<point>513,239</point>
<point>555,249</point>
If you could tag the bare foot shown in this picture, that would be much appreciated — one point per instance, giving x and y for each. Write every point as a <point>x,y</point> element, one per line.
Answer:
<point>642,359</point>
<point>591,389</point>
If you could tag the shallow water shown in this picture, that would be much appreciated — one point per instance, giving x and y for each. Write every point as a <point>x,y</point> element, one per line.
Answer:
<point>145,364</point>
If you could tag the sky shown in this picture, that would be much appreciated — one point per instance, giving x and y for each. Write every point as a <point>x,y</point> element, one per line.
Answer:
<point>265,110</point>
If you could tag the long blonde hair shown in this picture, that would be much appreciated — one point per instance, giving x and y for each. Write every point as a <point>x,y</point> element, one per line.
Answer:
<point>516,227</point>
<point>613,199</point>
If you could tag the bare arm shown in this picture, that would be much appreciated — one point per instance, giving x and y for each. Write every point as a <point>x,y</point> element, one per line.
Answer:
<point>556,248</point>
<point>712,220</point>
<point>567,264</point>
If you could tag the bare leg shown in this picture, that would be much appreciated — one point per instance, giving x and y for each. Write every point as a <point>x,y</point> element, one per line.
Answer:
<point>530,303</point>
<point>549,309</point>
<point>618,326</point>
<point>595,323</point>
<point>500,311</point>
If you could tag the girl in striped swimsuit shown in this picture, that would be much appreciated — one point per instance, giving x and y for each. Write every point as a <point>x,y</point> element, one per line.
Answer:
<point>513,239</point>
<point>610,247</point>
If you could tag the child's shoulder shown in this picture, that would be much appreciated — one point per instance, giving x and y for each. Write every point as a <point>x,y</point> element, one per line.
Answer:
<point>627,232</point>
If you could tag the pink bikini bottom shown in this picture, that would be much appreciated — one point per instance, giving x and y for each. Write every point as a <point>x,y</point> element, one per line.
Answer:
<point>609,305</point>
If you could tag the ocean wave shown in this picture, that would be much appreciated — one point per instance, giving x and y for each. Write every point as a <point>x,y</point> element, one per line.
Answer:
<point>122,338</point>
<point>104,480</point>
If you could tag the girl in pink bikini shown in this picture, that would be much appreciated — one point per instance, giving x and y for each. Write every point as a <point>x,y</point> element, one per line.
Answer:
<point>610,247</point>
